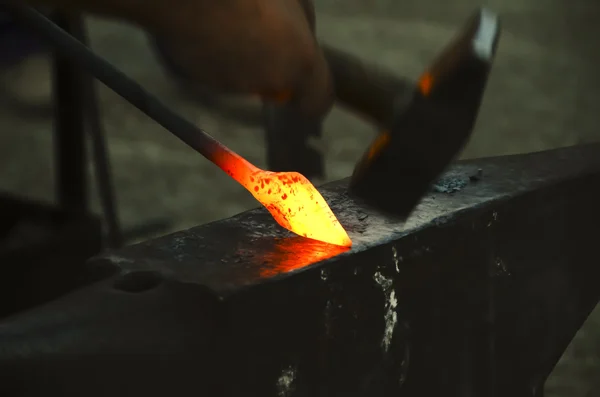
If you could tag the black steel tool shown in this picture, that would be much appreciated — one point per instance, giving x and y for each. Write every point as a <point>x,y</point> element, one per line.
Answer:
<point>424,124</point>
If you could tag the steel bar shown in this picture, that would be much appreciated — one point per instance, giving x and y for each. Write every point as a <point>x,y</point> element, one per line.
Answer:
<point>80,55</point>
<point>101,162</point>
<point>477,293</point>
<point>289,137</point>
<point>69,128</point>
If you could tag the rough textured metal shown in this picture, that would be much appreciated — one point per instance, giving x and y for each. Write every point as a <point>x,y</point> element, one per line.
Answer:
<point>478,293</point>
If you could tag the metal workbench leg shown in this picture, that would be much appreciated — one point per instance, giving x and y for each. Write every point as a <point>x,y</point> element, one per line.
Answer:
<point>99,152</point>
<point>76,109</point>
<point>288,139</point>
<point>69,130</point>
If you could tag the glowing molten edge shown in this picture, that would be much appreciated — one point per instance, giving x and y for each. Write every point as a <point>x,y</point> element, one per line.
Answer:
<point>291,199</point>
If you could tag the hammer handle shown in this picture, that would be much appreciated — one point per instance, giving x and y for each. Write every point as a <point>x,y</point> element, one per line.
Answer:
<point>366,89</point>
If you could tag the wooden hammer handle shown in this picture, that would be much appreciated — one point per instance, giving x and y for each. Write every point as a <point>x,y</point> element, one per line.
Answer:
<point>366,89</point>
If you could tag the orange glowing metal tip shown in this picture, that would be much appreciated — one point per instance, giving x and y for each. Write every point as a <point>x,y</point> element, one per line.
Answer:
<point>292,200</point>
<point>290,197</point>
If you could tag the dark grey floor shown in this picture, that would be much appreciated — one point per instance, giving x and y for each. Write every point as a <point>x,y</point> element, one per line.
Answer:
<point>544,93</point>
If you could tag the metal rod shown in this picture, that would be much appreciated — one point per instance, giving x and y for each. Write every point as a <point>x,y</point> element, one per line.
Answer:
<point>99,152</point>
<point>287,137</point>
<point>70,47</point>
<point>69,133</point>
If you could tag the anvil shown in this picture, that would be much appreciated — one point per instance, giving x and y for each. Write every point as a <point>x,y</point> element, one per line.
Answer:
<point>478,293</point>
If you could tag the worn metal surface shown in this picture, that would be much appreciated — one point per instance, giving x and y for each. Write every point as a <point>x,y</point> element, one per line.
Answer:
<point>478,293</point>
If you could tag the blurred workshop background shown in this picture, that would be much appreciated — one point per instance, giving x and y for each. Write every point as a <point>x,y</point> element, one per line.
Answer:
<point>544,93</point>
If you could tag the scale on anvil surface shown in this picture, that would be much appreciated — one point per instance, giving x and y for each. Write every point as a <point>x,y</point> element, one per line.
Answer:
<point>421,139</point>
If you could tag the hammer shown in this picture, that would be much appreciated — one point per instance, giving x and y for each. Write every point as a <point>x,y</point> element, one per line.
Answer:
<point>425,124</point>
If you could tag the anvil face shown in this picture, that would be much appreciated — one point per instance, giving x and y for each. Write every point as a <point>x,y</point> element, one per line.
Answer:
<point>479,291</point>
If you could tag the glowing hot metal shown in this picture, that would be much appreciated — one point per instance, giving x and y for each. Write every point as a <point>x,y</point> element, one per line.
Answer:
<point>292,200</point>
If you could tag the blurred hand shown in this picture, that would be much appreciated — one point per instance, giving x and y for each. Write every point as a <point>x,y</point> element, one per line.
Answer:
<point>262,47</point>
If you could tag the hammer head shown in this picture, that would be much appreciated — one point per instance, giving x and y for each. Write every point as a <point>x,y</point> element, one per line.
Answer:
<point>403,162</point>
